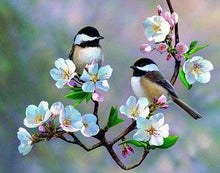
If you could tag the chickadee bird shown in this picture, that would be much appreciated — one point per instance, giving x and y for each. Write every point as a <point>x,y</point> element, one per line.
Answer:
<point>86,48</point>
<point>149,82</point>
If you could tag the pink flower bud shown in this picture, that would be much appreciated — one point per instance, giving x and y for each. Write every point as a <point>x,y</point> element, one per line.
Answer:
<point>179,56</point>
<point>159,10</point>
<point>175,17</point>
<point>145,49</point>
<point>97,97</point>
<point>42,129</point>
<point>128,147</point>
<point>167,15</point>
<point>181,48</point>
<point>53,116</point>
<point>162,48</point>
<point>168,57</point>
<point>162,99</point>
<point>171,22</point>
<point>165,106</point>
<point>49,122</point>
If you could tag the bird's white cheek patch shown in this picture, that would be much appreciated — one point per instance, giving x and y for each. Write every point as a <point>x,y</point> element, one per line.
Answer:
<point>150,67</point>
<point>83,38</point>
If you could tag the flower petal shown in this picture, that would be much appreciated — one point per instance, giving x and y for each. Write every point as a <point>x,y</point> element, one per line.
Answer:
<point>85,76</point>
<point>156,140</point>
<point>93,68</point>
<point>105,72</point>
<point>60,83</point>
<point>131,101</point>
<point>203,77</point>
<point>55,74</point>
<point>207,65</point>
<point>88,87</point>
<point>124,110</point>
<point>60,64</point>
<point>143,123</point>
<point>157,120</point>
<point>91,130</point>
<point>190,78</point>
<point>141,135</point>
<point>103,85</point>
<point>71,66</point>
<point>89,118</point>
<point>164,131</point>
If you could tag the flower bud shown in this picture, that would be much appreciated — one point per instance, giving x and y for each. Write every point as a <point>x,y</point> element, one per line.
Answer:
<point>181,48</point>
<point>159,10</point>
<point>97,97</point>
<point>42,129</point>
<point>145,49</point>
<point>162,48</point>
<point>175,17</point>
<point>168,57</point>
<point>167,15</point>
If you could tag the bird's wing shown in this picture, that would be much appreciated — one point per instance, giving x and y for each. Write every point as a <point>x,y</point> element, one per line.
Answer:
<point>160,80</point>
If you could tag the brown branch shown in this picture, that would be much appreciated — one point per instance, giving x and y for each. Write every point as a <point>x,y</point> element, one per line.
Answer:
<point>177,62</point>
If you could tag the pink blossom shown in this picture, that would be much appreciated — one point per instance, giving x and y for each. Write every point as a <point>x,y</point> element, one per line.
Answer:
<point>145,49</point>
<point>97,97</point>
<point>127,150</point>
<point>181,48</point>
<point>172,36</point>
<point>166,15</point>
<point>162,99</point>
<point>175,17</point>
<point>159,10</point>
<point>162,48</point>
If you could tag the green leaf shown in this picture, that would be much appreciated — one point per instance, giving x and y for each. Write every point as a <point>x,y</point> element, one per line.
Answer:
<point>113,118</point>
<point>88,97</point>
<point>167,143</point>
<point>196,49</point>
<point>76,95</point>
<point>135,143</point>
<point>192,45</point>
<point>187,56</point>
<point>74,88</point>
<point>183,79</point>
<point>79,101</point>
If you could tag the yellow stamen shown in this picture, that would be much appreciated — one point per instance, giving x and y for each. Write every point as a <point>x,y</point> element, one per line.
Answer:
<point>134,111</point>
<point>86,125</point>
<point>38,118</point>
<point>151,131</point>
<point>67,122</point>
<point>156,28</point>
<point>196,69</point>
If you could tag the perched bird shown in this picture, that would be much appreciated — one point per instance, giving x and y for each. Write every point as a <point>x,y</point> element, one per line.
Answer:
<point>86,48</point>
<point>147,81</point>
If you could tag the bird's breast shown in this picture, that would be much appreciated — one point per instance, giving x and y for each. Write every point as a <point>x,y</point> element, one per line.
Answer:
<point>143,87</point>
<point>87,55</point>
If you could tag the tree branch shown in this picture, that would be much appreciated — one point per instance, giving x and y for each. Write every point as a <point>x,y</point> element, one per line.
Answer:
<point>177,62</point>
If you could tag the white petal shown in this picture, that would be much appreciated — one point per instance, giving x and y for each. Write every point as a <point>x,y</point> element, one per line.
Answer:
<point>85,76</point>
<point>103,85</point>
<point>190,78</point>
<point>89,118</point>
<point>164,131</point>
<point>93,68</point>
<point>56,108</point>
<point>143,123</point>
<point>187,66</point>
<point>88,87</point>
<point>157,120</point>
<point>196,58</point>
<point>131,101</point>
<point>91,130</point>
<point>145,113</point>
<point>31,111</point>
<point>55,74</point>
<point>71,66</point>
<point>203,77</point>
<point>60,83</point>
<point>141,135</point>
<point>124,110</point>
<point>156,140</point>
<point>105,72</point>
<point>60,63</point>
<point>207,65</point>
<point>43,107</point>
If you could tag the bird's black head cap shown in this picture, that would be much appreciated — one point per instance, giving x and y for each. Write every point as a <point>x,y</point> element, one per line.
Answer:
<point>90,31</point>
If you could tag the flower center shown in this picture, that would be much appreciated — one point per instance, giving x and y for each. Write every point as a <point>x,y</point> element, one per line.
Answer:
<point>86,125</point>
<point>65,74</point>
<point>94,78</point>
<point>156,28</point>
<point>152,131</point>
<point>38,118</point>
<point>196,69</point>
<point>67,122</point>
<point>134,111</point>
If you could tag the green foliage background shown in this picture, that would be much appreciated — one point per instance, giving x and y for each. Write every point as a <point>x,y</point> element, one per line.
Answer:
<point>35,33</point>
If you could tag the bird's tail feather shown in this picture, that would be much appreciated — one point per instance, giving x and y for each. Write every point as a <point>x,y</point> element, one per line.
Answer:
<point>193,113</point>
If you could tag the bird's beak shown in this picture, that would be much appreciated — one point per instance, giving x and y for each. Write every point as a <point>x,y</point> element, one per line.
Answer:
<point>133,67</point>
<point>101,37</point>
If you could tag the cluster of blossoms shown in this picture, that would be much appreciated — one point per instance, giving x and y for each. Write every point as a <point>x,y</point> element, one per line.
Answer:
<point>92,78</point>
<point>159,28</point>
<point>151,128</point>
<point>70,120</point>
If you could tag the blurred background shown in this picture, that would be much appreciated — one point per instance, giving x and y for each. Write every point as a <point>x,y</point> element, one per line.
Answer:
<point>33,34</point>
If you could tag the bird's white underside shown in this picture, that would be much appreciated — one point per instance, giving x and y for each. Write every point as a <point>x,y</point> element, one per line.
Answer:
<point>90,54</point>
<point>136,86</point>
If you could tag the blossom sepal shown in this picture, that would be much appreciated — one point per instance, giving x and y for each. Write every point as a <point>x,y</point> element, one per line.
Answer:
<point>113,119</point>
